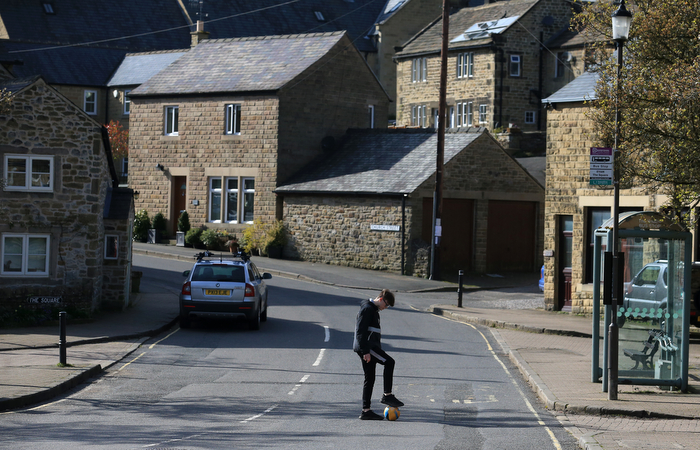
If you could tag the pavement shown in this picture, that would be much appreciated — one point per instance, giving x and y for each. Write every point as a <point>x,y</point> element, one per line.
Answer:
<point>552,350</point>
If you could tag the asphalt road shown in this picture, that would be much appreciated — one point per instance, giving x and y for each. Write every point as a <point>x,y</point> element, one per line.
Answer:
<point>296,384</point>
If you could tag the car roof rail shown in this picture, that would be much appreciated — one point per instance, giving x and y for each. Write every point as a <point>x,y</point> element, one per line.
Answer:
<point>243,256</point>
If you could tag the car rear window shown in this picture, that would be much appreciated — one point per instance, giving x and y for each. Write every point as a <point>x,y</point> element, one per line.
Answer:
<point>235,274</point>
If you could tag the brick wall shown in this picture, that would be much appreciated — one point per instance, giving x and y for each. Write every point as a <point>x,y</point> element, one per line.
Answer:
<point>43,123</point>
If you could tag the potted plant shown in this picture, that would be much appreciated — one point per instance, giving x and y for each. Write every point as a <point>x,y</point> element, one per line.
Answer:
<point>142,223</point>
<point>276,239</point>
<point>194,237</point>
<point>158,230</point>
<point>211,239</point>
<point>183,226</point>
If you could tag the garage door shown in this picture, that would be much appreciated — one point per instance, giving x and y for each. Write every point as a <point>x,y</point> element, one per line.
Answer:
<point>511,236</point>
<point>457,234</point>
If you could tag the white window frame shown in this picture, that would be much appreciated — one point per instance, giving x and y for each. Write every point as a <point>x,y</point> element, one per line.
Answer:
<point>436,117</point>
<point>25,272</point>
<point>370,109</point>
<point>470,114</point>
<point>419,70</point>
<point>90,106</point>
<point>213,192</point>
<point>515,63</point>
<point>470,65</point>
<point>245,193</point>
<point>127,102</point>
<point>460,119</point>
<point>225,205</point>
<point>233,119</point>
<point>172,117</point>
<point>451,117</point>
<point>460,64</point>
<point>483,113</point>
<point>111,242</point>
<point>29,174</point>
<point>424,67</point>
<point>530,116</point>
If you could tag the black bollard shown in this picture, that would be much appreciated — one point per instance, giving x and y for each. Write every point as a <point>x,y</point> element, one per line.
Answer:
<point>62,338</point>
<point>459,290</point>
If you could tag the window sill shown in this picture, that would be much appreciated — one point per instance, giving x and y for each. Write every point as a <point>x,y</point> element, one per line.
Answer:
<point>170,137</point>
<point>232,137</point>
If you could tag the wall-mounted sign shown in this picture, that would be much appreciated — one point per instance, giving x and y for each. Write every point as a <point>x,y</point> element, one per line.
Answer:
<point>44,300</point>
<point>385,227</point>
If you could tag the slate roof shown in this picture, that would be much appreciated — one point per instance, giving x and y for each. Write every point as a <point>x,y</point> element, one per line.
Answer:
<point>137,68</point>
<point>231,19</point>
<point>430,39</point>
<point>265,63</point>
<point>83,66</point>
<point>15,85</point>
<point>581,88</point>
<point>379,162</point>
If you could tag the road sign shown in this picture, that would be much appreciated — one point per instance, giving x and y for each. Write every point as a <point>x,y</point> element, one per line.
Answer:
<point>601,166</point>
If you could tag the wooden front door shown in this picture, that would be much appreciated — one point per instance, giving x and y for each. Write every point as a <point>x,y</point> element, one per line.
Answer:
<point>179,199</point>
<point>565,244</point>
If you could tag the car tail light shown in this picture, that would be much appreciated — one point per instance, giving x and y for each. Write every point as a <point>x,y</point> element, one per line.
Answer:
<point>186,288</point>
<point>249,290</point>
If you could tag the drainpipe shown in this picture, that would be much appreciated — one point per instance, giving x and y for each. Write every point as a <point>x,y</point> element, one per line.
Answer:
<point>539,84</point>
<point>500,96</point>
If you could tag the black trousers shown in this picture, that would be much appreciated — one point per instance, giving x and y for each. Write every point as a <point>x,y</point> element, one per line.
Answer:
<point>370,369</point>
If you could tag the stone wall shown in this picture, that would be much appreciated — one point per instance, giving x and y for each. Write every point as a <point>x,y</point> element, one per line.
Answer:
<point>41,122</point>
<point>337,230</point>
<point>76,94</point>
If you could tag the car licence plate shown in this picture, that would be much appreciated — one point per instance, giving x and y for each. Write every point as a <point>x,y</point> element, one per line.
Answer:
<point>217,292</point>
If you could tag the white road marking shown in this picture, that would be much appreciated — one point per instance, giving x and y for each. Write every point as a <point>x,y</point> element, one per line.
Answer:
<point>257,416</point>
<point>297,386</point>
<point>320,357</point>
<point>556,443</point>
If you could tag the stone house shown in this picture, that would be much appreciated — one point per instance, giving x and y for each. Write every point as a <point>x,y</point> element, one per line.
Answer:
<point>66,235</point>
<point>574,209</point>
<point>369,204</point>
<point>217,130</point>
<point>496,61</point>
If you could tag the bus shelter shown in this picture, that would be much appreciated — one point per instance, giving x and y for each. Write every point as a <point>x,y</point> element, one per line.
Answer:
<point>653,315</point>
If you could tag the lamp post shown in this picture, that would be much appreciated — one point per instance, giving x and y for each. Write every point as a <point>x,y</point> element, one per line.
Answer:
<point>621,20</point>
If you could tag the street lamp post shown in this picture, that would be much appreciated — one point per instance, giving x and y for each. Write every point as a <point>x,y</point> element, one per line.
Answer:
<point>621,20</point>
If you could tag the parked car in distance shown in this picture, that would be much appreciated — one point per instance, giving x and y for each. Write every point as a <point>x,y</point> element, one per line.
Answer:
<point>648,293</point>
<point>542,278</point>
<point>223,287</point>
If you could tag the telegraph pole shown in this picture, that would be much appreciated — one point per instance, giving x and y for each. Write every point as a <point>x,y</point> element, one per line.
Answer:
<point>437,195</point>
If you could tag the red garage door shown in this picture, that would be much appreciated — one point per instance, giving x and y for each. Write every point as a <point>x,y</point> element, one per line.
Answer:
<point>457,234</point>
<point>511,236</point>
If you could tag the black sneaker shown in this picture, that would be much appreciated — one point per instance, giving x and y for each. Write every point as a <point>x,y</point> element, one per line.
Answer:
<point>391,400</point>
<point>370,415</point>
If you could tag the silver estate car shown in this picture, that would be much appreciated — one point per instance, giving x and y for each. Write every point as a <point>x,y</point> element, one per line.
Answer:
<point>224,286</point>
<point>647,293</point>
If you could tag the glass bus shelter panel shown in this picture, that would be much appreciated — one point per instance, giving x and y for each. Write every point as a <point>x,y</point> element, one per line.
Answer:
<point>651,314</point>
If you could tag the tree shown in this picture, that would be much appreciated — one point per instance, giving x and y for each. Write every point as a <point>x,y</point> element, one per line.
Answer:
<point>659,98</point>
<point>118,139</point>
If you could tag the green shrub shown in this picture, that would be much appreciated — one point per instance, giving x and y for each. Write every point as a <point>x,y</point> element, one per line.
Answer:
<point>194,237</point>
<point>142,223</point>
<point>183,222</point>
<point>159,223</point>
<point>211,239</point>
<point>275,235</point>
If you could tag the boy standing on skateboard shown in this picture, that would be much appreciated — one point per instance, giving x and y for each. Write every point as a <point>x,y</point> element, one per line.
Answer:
<point>367,344</point>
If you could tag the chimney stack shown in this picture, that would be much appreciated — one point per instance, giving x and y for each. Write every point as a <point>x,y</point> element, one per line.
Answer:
<point>199,35</point>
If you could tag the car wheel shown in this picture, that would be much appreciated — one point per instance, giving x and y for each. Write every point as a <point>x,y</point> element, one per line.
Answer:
<point>185,322</point>
<point>254,322</point>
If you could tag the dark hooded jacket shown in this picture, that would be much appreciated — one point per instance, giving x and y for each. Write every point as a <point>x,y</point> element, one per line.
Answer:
<point>368,332</point>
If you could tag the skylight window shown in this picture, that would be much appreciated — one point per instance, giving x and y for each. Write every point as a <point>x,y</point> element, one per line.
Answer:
<point>319,16</point>
<point>483,30</point>
<point>48,8</point>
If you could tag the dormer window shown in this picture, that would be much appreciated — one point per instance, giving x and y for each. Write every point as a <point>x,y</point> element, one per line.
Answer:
<point>319,16</point>
<point>48,8</point>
